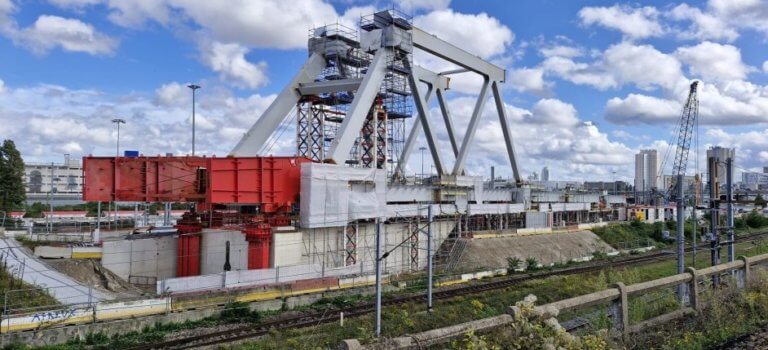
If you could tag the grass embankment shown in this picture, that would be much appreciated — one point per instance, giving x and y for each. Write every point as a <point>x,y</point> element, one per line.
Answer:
<point>19,295</point>
<point>412,317</point>
<point>636,233</point>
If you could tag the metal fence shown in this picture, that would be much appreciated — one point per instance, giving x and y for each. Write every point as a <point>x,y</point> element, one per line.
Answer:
<point>616,297</point>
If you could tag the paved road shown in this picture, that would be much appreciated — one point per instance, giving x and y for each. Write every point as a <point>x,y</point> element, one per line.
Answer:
<point>62,287</point>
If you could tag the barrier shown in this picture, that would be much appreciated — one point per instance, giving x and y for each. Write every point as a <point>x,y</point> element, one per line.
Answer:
<point>617,296</point>
<point>117,310</point>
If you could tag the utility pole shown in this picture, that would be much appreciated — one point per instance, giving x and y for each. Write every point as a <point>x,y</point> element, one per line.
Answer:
<point>729,203</point>
<point>117,121</point>
<point>378,277</point>
<point>422,149</point>
<point>681,290</point>
<point>194,89</point>
<point>714,212</point>
<point>429,258</point>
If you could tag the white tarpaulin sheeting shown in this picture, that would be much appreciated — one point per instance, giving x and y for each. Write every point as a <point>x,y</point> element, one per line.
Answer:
<point>333,195</point>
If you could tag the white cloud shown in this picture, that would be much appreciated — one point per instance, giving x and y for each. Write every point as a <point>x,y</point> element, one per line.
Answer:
<point>55,119</point>
<point>620,64</point>
<point>479,34</point>
<point>737,103</point>
<point>528,79</point>
<point>6,7</point>
<point>72,148</point>
<point>554,111</point>
<point>133,13</point>
<point>765,66</point>
<point>2,86</point>
<point>636,109</point>
<point>642,65</point>
<point>747,14</point>
<point>263,24</point>
<point>561,51</point>
<point>713,61</point>
<point>230,62</point>
<point>74,4</point>
<point>172,95</point>
<point>704,25</point>
<point>579,72</point>
<point>409,6</point>
<point>750,145</point>
<point>49,32</point>
<point>633,22</point>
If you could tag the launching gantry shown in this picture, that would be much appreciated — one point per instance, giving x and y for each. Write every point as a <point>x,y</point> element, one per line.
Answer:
<point>352,99</point>
<point>351,76</point>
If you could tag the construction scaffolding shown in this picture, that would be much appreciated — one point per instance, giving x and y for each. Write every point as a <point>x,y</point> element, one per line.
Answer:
<point>321,112</point>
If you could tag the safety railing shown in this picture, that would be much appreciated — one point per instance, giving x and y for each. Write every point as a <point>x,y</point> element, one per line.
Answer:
<point>617,297</point>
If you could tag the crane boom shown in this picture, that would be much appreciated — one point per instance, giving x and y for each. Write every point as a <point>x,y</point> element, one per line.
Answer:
<point>687,122</point>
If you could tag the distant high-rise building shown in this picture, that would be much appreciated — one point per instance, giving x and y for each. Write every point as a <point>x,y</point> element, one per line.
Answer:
<point>721,155</point>
<point>753,180</point>
<point>646,170</point>
<point>545,174</point>
<point>765,170</point>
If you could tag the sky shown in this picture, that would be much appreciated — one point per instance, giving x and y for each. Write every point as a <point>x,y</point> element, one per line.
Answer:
<point>589,83</point>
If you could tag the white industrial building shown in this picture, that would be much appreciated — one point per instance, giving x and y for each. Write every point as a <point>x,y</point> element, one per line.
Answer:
<point>66,177</point>
<point>646,170</point>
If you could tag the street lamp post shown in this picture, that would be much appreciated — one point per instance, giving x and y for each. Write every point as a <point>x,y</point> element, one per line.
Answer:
<point>117,121</point>
<point>194,88</point>
<point>422,149</point>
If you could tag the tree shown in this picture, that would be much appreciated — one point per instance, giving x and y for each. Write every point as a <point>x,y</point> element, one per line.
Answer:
<point>760,202</point>
<point>12,194</point>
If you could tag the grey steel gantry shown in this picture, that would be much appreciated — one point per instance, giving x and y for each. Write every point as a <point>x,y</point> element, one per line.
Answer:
<point>392,41</point>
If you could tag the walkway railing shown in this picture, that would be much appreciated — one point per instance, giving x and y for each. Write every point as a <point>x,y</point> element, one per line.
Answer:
<point>617,297</point>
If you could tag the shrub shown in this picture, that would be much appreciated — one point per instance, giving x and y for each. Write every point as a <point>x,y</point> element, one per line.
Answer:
<point>513,263</point>
<point>531,264</point>
<point>239,312</point>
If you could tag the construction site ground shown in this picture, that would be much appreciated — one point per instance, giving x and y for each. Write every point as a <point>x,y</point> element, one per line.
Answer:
<point>491,253</point>
<point>89,272</point>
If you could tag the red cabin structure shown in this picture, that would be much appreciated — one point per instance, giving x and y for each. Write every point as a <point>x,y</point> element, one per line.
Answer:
<point>270,183</point>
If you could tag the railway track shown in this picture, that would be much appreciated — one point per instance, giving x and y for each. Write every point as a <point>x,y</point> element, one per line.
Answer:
<point>323,316</point>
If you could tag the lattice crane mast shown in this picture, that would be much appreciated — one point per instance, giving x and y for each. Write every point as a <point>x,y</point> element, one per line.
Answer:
<point>687,124</point>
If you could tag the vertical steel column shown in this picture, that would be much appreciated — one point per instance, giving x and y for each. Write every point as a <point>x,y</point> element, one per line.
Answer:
<point>378,277</point>
<point>429,258</point>
<point>729,199</point>
<point>695,233</point>
<point>714,212</point>
<point>681,290</point>
<point>97,233</point>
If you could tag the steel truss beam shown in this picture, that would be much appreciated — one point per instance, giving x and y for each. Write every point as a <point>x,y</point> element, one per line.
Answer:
<point>469,135</point>
<point>449,52</point>
<point>328,86</point>
<point>270,120</point>
<point>437,83</point>
<point>421,107</point>
<point>504,121</point>
<point>361,105</point>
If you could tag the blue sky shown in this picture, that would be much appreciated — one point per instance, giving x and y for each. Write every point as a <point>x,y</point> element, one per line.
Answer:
<point>589,83</point>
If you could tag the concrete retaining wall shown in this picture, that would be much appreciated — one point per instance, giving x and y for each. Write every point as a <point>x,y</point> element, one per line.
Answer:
<point>213,251</point>
<point>148,257</point>
<point>49,252</point>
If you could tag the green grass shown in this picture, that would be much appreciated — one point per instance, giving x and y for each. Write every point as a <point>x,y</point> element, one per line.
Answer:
<point>633,234</point>
<point>21,295</point>
<point>413,317</point>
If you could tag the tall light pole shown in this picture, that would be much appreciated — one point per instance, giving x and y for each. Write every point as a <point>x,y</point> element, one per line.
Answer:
<point>194,89</point>
<point>422,149</point>
<point>118,121</point>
